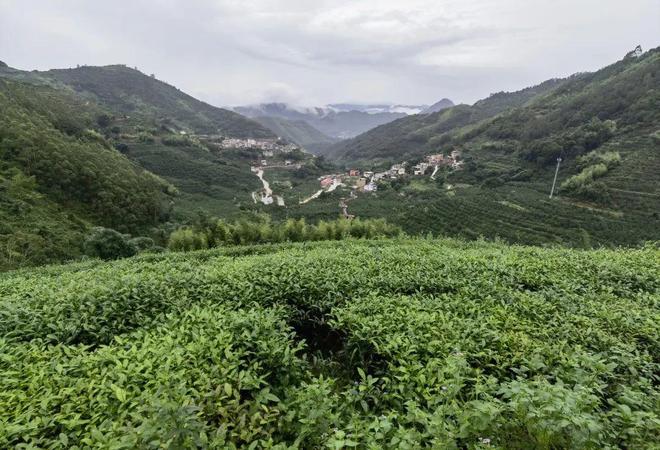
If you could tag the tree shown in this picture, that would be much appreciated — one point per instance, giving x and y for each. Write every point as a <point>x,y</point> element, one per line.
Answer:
<point>103,120</point>
<point>106,243</point>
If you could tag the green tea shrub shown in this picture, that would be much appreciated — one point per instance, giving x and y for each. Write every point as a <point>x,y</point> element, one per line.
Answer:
<point>384,343</point>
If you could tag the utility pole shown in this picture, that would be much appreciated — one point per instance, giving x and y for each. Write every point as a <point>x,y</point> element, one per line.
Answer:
<point>552,191</point>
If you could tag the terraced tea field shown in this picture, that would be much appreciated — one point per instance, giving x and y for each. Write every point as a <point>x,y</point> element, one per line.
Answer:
<point>354,344</point>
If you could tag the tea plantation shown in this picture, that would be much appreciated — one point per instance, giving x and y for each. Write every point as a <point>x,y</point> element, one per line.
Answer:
<point>402,343</point>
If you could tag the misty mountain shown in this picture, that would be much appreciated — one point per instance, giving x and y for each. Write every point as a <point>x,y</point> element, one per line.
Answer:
<point>415,135</point>
<point>298,132</point>
<point>338,121</point>
<point>378,108</point>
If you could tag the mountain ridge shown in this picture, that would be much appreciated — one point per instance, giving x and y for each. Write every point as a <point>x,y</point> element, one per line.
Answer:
<point>129,91</point>
<point>338,124</point>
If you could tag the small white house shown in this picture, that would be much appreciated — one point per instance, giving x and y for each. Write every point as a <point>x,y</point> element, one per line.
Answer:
<point>370,187</point>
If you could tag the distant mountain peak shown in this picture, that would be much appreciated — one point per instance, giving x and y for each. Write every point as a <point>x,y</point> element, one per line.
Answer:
<point>439,106</point>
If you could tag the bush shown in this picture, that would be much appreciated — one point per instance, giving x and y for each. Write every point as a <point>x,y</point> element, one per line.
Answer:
<point>142,243</point>
<point>244,232</point>
<point>176,141</point>
<point>356,344</point>
<point>185,239</point>
<point>146,138</point>
<point>584,178</point>
<point>106,243</point>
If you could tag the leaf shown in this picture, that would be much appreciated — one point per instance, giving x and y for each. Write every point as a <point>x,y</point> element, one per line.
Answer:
<point>119,393</point>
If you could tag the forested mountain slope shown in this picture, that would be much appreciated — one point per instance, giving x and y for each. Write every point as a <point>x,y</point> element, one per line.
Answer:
<point>153,102</point>
<point>58,176</point>
<point>418,134</point>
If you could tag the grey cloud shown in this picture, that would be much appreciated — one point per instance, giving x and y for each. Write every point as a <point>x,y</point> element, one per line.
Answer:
<point>233,52</point>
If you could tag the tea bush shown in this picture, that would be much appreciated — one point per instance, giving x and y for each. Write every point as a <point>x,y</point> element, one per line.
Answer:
<point>398,343</point>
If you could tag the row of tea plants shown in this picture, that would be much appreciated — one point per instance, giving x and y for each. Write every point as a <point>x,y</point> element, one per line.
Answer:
<point>400,343</point>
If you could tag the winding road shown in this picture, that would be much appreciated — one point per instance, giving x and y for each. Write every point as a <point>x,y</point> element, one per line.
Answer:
<point>316,194</point>
<point>267,197</point>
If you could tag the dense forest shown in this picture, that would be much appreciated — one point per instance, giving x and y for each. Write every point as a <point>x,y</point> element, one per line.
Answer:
<point>59,174</point>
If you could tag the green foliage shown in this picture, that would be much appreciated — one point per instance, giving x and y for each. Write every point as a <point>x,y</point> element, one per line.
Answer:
<point>186,239</point>
<point>245,232</point>
<point>81,169</point>
<point>610,159</point>
<point>369,344</point>
<point>142,243</point>
<point>587,176</point>
<point>106,243</point>
<point>142,99</point>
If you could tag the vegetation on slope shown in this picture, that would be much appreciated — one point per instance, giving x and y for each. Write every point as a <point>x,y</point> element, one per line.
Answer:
<point>510,158</point>
<point>58,174</point>
<point>411,136</point>
<point>371,344</point>
<point>149,101</point>
<point>65,139</point>
<point>218,233</point>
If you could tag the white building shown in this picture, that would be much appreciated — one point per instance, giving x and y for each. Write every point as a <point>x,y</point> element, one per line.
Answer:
<point>370,187</point>
<point>420,168</point>
<point>397,169</point>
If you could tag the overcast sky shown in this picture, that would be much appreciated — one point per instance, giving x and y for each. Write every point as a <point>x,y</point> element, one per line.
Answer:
<point>313,52</point>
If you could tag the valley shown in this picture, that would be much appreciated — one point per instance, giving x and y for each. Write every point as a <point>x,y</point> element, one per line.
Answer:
<point>412,229</point>
<point>454,171</point>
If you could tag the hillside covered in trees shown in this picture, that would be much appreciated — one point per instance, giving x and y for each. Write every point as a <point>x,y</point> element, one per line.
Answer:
<point>58,175</point>
<point>151,102</point>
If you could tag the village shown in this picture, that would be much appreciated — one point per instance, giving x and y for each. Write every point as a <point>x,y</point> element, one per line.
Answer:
<point>359,180</point>
<point>267,145</point>
<point>367,181</point>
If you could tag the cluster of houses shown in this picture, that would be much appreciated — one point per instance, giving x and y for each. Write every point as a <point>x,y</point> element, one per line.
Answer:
<point>259,144</point>
<point>364,182</point>
<point>263,163</point>
<point>367,180</point>
<point>439,160</point>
